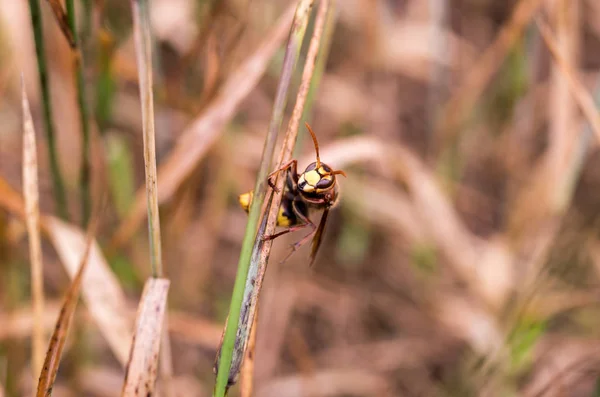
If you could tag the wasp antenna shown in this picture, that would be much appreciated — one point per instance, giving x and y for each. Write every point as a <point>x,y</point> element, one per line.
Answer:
<point>339,172</point>
<point>314,138</point>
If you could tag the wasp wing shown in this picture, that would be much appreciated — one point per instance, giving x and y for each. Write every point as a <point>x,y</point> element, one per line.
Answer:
<point>318,237</point>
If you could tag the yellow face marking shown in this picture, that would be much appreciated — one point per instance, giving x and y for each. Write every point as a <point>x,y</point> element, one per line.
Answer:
<point>301,179</point>
<point>308,188</point>
<point>312,177</point>
<point>245,200</point>
<point>322,171</point>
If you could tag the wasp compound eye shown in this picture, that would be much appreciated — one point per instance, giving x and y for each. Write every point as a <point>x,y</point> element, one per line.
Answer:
<point>325,183</point>
<point>325,169</point>
<point>310,167</point>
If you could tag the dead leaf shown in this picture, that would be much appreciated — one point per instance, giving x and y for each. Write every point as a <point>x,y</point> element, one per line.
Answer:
<point>63,23</point>
<point>31,195</point>
<point>142,368</point>
<point>59,336</point>
<point>102,294</point>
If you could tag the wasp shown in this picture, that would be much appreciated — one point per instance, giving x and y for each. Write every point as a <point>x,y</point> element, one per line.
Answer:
<point>314,189</point>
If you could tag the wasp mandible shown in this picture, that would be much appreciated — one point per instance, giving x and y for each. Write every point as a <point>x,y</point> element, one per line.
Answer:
<point>314,189</point>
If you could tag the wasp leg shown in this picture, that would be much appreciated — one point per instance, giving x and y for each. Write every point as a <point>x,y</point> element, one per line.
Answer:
<point>292,165</point>
<point>288,230</point>
<point>305,223</point>
<point>299,244</point>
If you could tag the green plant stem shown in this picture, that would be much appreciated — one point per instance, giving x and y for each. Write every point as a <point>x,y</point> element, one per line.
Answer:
<point>105,82</point>
<point>57,182</point>
<point>84,178</point>
<point>291,56</point>
<point>262,249</point>
<point>86,33</point>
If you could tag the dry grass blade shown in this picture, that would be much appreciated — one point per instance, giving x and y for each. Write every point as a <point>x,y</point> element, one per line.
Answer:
<point>480,74</point>
<point>63,22</point>
<point>137,382</point>
<point>562,363</point>
<point>352,150</point>
<point>247,373</point>
<point>387,207</point>
<point>204,131</point>
<point>166,361</point>
<point>195,330</point>
<point>19,323</point>
<point>562,107</point>
<point>583,98</point>
<point>101,290</point>
<point>59,336</point>
<point>141,30</point>
<point>292,129</point>
<point>262,249</point>
<point>439,42</point>
<point>328,383</point>
<point>32,219</point>
<point>10,199</point>
<point>386,354</point>
<point>438,220</point>
<point>140,378</point>
<point>102,293</point>
<point>253,271</point>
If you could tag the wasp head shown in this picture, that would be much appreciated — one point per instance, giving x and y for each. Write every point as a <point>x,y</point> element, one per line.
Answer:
<point>317,183</point>
<point>316,179</point>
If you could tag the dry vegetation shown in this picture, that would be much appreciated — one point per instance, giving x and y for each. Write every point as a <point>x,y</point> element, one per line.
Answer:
<point>462,260</point>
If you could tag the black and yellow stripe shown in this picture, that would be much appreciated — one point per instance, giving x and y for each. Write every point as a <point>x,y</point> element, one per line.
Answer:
<point>286,216</point>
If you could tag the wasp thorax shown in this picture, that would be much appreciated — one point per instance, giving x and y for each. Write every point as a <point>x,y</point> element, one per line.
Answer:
<point>316,180</point>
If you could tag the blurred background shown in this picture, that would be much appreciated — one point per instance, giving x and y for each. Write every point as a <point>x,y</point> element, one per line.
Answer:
<point>462,260</point>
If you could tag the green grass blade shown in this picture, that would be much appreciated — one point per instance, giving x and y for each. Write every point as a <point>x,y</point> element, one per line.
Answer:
<point>261,249</point>
<point>58,184</point>
<point>84,178</point>
<point>291,56</point>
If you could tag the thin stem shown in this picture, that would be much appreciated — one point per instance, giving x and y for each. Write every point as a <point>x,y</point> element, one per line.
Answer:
<point>261,249</point>
<point>321,62</point>
<point>247,371</point>
<point>226,372</point>
<point>438,75</point>
<point>84,178</point>
<point>86,33</point>
<point>105,82</point>
<point>460,106</point>
<point>141,27</point>
<point>31,197</point>
<point>57,182</point>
